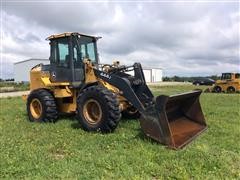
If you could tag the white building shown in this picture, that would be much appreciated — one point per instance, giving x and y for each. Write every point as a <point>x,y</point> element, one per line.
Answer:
<point>22,68</point>
<point>153,74</point>
<point>22,71</point>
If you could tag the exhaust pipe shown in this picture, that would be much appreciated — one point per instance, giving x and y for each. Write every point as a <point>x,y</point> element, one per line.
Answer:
<point>174,120</point>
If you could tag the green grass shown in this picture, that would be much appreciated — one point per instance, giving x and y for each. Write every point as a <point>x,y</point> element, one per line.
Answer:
<point>64,150</point>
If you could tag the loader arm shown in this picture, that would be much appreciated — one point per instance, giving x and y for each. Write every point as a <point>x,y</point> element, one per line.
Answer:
<point>138,95</point>
<point>171,120</point>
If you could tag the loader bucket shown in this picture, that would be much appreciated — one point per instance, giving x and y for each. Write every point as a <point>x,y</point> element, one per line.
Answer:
<point>174,120</point>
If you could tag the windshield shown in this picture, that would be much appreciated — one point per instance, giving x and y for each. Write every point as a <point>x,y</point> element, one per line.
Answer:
<point>87,47</point>
<point>226,76</point>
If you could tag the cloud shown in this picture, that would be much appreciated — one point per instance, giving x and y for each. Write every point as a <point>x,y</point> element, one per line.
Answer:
<point>191,38</point>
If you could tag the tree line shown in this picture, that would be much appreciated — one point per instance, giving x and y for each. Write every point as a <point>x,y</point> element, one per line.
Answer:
<point>188,79</point>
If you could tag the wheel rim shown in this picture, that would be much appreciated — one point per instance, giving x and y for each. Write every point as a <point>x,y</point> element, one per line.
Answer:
<point>218,89</point>
<point>231,90</point>
<point>36,108</point>
<point>132,110</point>
<point>92,111</point>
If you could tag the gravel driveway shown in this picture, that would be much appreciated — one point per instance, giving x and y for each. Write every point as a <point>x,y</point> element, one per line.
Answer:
<point>13,94</point>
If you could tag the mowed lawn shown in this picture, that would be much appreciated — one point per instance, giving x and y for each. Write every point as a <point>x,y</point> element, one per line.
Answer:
<point>64,150</point>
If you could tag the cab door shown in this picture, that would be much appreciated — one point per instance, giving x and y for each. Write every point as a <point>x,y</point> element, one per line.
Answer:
<point>78,65</point>
<point>60,60</point>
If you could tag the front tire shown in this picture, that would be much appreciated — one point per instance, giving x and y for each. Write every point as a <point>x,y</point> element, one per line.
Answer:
<point>217,89</point>
<point>41,106</point>
<point>98,109</point>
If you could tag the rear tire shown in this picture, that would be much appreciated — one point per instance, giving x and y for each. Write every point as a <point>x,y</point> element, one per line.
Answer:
<point>98,109</point>
<point>41,106</point>
<point>231,89</point>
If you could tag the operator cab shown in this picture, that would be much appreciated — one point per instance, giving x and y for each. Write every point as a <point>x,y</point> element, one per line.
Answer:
<point>230,76</point>
<point>68,52</point>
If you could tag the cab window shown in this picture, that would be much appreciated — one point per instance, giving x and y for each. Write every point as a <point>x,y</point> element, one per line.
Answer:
<point>63,53</point>
<point>237,75</point>
<point>91,51</point>
<point>88,48</point>
<point>53,53</point>
<point>226,76</point>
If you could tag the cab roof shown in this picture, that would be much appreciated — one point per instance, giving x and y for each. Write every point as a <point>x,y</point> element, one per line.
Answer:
<point>66,34</point>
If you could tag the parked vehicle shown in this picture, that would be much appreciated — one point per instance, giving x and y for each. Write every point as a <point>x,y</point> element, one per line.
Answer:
<point>229,82</point>
<point>204,81</point>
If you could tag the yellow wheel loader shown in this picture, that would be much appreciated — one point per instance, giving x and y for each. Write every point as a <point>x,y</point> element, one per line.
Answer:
<point>75,82</point>
<point>229,82</point>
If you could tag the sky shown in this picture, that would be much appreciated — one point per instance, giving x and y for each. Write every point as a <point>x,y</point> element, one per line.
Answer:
<point>184,38</point>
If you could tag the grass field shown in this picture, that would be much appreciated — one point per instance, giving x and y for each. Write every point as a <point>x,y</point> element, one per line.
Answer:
<point>64,150</point>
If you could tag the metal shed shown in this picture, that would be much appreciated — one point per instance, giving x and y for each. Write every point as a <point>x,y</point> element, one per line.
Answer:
<point>22,68</point>
<point>153,74</point>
